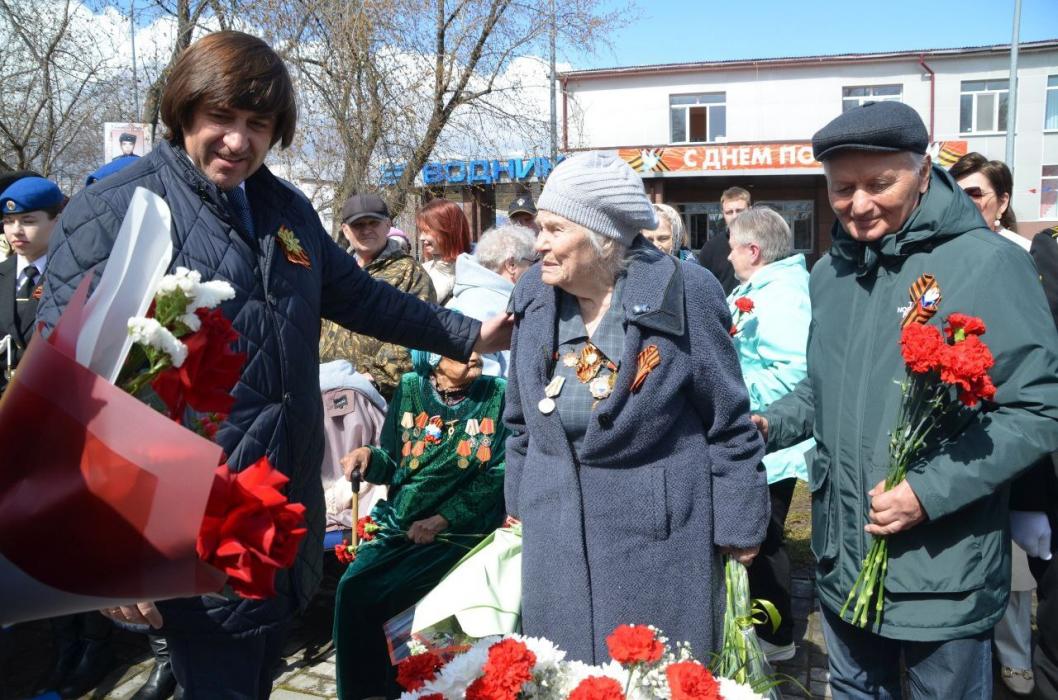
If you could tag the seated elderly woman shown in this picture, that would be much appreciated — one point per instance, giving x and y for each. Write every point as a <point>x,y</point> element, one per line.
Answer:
<point>771,312</point>
<point>442,456</point>
<point>486,278</point>
<point>633,462</point>
<point>669,236</point>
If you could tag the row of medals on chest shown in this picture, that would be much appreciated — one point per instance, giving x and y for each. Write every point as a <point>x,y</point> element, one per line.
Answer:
<point>422,431</point>
<point>589,363</point>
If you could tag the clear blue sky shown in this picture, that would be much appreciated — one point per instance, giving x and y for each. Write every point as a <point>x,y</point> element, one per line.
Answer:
<point>673,31</point>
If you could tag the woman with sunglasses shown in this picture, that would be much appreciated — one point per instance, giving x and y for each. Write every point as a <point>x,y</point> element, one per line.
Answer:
<point>990,185</point>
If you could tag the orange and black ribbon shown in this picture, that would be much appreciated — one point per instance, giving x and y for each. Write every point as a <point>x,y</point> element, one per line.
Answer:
<point>925,298</point>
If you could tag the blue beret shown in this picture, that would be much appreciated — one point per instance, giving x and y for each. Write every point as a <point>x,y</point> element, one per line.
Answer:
<point>30,194</point>
<point>873,126</point>
<point>110,168</point>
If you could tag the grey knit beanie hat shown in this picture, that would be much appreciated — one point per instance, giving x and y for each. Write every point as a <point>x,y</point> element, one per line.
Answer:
<point>601,192</point>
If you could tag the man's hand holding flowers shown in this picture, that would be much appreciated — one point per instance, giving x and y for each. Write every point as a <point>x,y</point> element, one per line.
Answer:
<point>893,511</point>
<point>426,530</point>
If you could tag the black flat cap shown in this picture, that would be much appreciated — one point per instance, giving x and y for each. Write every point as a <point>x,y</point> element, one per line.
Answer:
<point>364,206</point>
<point>873,126</point>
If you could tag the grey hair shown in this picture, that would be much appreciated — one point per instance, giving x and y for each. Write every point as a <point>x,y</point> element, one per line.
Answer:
<point>763,226</point>
<point>503,243</point>
<point>675,223</point>
<point>611,254</point>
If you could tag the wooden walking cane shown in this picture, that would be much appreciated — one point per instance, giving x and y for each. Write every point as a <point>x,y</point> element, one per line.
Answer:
<point>354,479</point>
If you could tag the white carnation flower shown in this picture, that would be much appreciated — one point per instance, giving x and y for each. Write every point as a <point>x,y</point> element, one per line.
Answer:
<point>208,295</point>
<point>547,654</point>
<point>732,690</point>
<point>191,320</point>
<point>183,279</point>
<point>460,672</point>
<point>147,331</point>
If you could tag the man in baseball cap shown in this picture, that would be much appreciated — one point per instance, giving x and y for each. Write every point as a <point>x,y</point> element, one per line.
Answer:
<point>522,211</point>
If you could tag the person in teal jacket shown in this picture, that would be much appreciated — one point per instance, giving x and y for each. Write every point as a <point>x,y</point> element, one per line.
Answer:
<point>899,219</point>
<point>771,312</point>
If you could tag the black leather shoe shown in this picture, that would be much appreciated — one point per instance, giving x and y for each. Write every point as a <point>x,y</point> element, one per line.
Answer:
<point>160,684</point>
<point>96,662</point>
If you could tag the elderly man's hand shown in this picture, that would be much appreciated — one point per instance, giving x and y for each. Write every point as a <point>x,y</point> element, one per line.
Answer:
<point>357,462</point>
<point>895,510</point>
<point>144,613</point>
<point>495,334</point>
<point>424,531</point>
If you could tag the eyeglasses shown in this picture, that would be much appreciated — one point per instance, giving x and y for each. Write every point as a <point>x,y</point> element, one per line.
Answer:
<point>977,192</point>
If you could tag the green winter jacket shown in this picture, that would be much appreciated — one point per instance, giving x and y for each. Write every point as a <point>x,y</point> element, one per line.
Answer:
<point>949,576</point>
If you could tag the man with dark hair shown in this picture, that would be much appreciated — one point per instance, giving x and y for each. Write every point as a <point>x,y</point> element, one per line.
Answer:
<point>228,100</point>
<point>713,255</point>
<point>127,142</point>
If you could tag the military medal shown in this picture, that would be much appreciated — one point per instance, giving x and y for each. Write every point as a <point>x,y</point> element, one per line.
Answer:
<point>588,363</point>
<point>407,421</point>
<point>472,428</point>
<point>463,449</point>
<point>547,404</point>
<point>925,298</point>
<point>292,247</point>
<point>570,359</point>
<point>601,386</point>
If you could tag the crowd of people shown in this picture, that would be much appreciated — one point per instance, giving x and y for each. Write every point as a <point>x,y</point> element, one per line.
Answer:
<point>642,410</point>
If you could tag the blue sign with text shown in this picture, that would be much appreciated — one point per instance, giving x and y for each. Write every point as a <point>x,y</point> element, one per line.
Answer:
<point>475,172</point>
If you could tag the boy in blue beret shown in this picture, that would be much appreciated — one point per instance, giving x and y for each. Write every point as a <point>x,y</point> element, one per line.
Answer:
<point>30,209</point>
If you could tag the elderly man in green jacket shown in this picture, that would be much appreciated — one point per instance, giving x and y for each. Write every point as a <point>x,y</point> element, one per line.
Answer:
<point>898,220</point>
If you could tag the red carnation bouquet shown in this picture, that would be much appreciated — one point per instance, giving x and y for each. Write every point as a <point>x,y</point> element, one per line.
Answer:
<point>945,372</point>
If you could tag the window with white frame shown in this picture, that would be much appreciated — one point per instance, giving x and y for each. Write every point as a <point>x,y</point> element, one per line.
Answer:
<point>1049,192</point>
<point>856,95</point>
<point>698,118</point>
<point>1050,118</point>
<point>983,106</point>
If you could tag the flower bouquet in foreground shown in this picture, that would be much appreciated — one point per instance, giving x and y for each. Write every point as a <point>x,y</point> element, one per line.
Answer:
<point>643,667</point>
<point>944,374</point>
<point>182,355</point>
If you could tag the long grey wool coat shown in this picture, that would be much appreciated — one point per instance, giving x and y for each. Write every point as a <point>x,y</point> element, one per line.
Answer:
<point>627,532</point>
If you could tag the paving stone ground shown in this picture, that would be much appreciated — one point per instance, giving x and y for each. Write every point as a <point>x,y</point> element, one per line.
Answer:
<point>308,668</point>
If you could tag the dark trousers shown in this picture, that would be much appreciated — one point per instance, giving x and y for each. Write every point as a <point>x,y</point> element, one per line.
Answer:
<point>769,575</point>
<point>1045,659</point>
<point>864,665</point>
<point>228,668</point>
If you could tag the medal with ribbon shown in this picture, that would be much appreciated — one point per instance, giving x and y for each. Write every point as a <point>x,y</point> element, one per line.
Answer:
<point>292,247</point>
<point>925,298</point>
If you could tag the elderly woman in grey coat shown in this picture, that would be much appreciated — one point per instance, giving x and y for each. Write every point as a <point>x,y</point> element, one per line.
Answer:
<point>634,464</point>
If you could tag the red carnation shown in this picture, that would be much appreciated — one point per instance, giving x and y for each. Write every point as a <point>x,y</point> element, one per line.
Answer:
<point>966,366</point>
<point>414,671</point>
<point>634,644</point>
<point>432,696</point>
<point>478,690</point>
<point>744,304</point>
<point>960,325</point>
<point>510,666</point>
<point>205,380</point>
<point>366,527</point>
<point>597,688</point>
<point>345,553</point>
<point>250,530</point>
<point>922,347</point>
<point>689,680</point>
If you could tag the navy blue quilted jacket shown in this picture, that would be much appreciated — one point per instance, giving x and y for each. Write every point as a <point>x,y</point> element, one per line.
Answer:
<point>277,311</point>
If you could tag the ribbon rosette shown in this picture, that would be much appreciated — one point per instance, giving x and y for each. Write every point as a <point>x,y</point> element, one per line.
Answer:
<point>250,529</point>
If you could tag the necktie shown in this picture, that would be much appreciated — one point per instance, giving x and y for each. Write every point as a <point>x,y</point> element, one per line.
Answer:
<point>241,208</point>
<point>25,291</point>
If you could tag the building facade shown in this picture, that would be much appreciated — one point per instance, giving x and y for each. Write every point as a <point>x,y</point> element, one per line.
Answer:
<point>694,129</point>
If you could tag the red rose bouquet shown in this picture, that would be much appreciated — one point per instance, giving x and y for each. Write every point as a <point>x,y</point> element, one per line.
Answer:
<point>944,373</point>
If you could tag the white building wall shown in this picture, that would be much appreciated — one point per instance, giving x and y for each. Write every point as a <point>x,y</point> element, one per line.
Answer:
<point>790,103</point>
